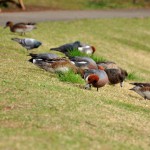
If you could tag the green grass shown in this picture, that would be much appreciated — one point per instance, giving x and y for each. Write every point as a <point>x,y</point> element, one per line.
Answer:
<point>70,77</point>
<point>133,76</point>
<point>81,4</point>
<point>38,111</point>
<point>88,4</point>
<point>75,52</point>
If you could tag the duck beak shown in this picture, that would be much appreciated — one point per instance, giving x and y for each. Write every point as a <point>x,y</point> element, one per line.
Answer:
<point>88,86</point>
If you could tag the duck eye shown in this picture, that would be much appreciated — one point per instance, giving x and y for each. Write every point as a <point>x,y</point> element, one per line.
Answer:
<point>94,81</point>
<point>89,79</point>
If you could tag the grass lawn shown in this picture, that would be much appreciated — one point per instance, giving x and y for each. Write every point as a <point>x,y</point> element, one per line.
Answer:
<point>81,4</point>
<point>87,4</point>
<point>38,111</point>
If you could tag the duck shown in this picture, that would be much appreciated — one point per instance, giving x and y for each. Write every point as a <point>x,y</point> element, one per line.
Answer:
<point>28,43</point>
<point>116,76</point>
<point>43,56</point>
<point>108,64</point>
<point>67,47</point>
<point>55,65</point>
<point>96,78</point>
<point>88,50</point>
<point>83,62</point>
<point>20,27</point>
<point>143,89</point>
<point>77,45</point>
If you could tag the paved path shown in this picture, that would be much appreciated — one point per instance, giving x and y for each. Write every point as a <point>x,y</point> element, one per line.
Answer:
<point>68,15</point>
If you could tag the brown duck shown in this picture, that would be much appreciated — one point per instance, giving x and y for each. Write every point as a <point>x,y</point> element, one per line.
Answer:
<point>55,65</point>
<point>116,76</point>
<point>20,27</point>
<point>142,89</point>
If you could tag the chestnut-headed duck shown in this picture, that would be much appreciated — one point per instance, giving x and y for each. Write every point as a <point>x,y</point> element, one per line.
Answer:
<point>84,62</point>
<point>142,89</point>
<point>28,43</point>
<point>55,65</point>
<point>20,27</point>
<point>96,78</point>
<point>88,50</point>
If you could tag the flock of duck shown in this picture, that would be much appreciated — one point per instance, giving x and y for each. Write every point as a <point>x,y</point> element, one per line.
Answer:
<point>96,74</point>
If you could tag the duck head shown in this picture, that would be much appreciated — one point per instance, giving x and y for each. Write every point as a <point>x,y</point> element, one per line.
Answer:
<point>8,24</point>
<point>92,80</point>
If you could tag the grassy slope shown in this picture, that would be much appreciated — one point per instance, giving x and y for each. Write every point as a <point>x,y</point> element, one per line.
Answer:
<point>37,111</point>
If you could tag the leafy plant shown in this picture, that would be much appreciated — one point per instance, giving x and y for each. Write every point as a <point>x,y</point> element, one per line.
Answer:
<point>75,52</point>
<point>71,77</point>
<point>98,59</point>
<point>133,76</point>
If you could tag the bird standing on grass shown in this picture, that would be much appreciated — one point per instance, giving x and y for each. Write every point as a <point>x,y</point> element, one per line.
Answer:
<point>88,50</point>
<point>96,78</point>
<point>142,89</point>
<point>67,47</point>
<point>77,45</point>
<point>20,27</point>
<point>84,62</point>
<point>55,65</point>
<point>116,75</point>
<point>42,56</point>
<point>28,43</point>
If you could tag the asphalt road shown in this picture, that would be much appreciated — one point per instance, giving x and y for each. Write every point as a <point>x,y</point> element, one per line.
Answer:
<point>41,16</point>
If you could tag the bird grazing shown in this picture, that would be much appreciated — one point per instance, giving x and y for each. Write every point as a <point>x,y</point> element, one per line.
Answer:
<point>77,45</point>
<point>55,65</point>
<point>20,27</point>
<point>96,78</point>
<point>108,65</point>
<point>42,56</point>
<point>116,75</point>
<point>142,89</point>
<point>84,62</point>
<point>28,43</point>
